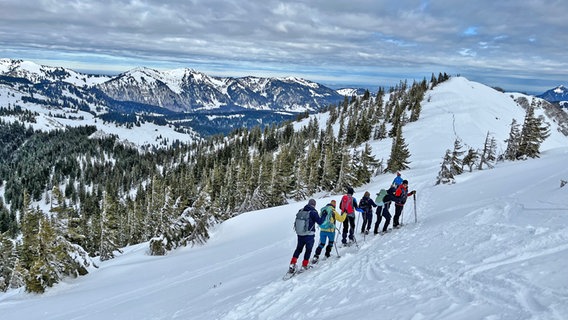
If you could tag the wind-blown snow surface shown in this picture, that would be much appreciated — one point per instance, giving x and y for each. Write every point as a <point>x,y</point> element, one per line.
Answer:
<point>492,246</point>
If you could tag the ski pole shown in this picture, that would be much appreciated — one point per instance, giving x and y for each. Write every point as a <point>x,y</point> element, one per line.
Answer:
<point>335,243</point>
<point>415,216</point>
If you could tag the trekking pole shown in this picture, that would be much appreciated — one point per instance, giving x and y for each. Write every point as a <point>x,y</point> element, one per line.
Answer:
<point>362,226</point>
<point>415,216</point>
<point>355,240</point>
<point>335,242</point>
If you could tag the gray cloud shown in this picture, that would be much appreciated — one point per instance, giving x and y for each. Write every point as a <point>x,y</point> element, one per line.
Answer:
<point>360,42</point>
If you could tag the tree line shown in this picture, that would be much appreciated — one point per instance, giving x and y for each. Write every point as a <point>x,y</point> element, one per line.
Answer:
<point>523,143</point>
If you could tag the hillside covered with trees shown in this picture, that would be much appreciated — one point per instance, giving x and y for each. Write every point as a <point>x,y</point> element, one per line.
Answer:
<point>69,197</point>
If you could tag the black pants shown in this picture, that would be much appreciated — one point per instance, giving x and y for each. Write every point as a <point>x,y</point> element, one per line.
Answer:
<point>367,220</point>
<point>386,214</point>
<point>349,222</point>
<point>379,213</point>
<point>397,214</point>
<point>308,243</point>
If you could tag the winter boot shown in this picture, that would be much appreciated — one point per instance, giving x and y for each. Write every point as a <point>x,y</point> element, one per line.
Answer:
<point>292,268</point>
<point>328,250</point>
<point>315,259</point>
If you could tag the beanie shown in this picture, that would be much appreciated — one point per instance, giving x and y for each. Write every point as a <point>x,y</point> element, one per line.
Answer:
<point>333,203</point>
<point>405,182</point>
<point>312,202</point>
<point>350,191</point>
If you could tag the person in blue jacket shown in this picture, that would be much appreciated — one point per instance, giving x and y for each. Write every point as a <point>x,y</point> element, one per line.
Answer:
<point>306,239</point>
<point>397,180</point>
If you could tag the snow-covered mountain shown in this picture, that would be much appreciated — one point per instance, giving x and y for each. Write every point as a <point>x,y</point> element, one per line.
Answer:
<point>187,90</point>
<point>557,94</point>
<point>494,245</point>
<point>36,73</point>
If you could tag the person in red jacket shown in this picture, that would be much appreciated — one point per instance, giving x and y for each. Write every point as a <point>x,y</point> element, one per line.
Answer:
<point>400,196</point>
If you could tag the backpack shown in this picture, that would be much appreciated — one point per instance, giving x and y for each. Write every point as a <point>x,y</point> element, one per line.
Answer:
<point>390,195</point>
<point>302,223</point>
<point>364,204</point>
<point>346,204</point>
<point>380,196</point>
<point>329,218</point>
<point>401,200</point>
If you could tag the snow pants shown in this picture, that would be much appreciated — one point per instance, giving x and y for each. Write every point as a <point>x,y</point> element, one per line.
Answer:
<point>386,214</point>
<point>367,220</point>
<point>397,213</point>
<point>304,241</point>
<point>325,237</point>
<point>348,227</point>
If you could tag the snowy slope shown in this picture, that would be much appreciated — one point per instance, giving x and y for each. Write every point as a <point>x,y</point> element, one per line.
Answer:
<point>492,246</point>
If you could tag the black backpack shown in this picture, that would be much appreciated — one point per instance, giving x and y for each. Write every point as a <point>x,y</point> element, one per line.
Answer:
<point>364,204</point>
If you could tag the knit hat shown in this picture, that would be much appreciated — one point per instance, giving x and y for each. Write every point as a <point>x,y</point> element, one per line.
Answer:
<point>350,191</point>
<point>312,202</point>
<point>398,173</point>
<point>405,182</point>
<point>333,203</point>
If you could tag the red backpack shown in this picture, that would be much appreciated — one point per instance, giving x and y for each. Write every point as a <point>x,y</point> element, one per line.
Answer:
<point>346,204</point>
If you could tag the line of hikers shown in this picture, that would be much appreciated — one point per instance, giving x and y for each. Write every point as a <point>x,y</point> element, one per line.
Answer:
<point>307,218</point>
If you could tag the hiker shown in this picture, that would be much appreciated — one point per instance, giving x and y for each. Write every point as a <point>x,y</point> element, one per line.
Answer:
<point>400,196</point>
<point>327,229</point>
<point>387,199</point>
<point>348,205</point>
<point>306,230</point>
<point>367,204</point>
<point>379,211</point>
<point>397,180</point>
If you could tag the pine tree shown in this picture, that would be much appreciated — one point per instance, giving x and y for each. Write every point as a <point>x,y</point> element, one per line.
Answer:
<point>43,271</point>
<point>346,176</point>
<point>445,175</point>
<point>470,159</point>
<point>367,165</point>
<point>398,160</point>
<point>488,155</point>
<point>8,260</point>
<point>456,161</point>
<point>513,141</point>
<point>109,232</point>
<point>533,134</point>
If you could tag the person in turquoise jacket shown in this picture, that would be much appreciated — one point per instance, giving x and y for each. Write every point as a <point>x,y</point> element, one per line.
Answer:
<point>327,229</point>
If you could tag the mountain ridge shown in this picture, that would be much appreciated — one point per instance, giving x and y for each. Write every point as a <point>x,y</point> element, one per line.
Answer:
<point>557,94</point>
<point>188,90</point>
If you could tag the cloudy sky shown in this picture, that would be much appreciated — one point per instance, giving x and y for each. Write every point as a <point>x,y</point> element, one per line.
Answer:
<point>513,44</point>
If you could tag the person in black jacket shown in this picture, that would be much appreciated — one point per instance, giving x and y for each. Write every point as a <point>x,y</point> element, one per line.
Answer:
<point>387,199</point>
<point>367,204</point>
